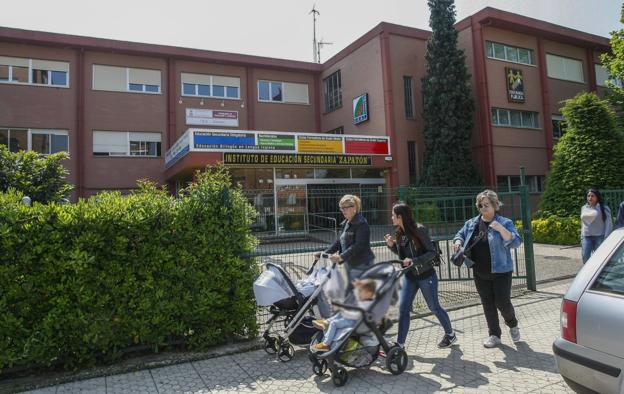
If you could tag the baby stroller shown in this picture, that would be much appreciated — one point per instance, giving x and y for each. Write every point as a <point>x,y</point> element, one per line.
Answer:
<point>291,305</point>
<point>358,346</point>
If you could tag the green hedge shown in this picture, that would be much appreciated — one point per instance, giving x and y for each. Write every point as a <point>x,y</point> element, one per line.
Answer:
<point>81,283</point>
<point>555,230</point>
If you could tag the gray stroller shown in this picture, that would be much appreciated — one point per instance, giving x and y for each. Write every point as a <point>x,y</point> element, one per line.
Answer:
<point>292,306</point>
<point>358,346</point>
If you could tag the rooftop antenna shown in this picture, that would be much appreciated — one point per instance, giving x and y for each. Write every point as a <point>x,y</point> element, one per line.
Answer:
<point>314,13</point>
<point>321,44</point>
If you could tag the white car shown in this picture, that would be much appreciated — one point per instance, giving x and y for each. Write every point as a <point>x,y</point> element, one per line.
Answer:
<point>590,351</point>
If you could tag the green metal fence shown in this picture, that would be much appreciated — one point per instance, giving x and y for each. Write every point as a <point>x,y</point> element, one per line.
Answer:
<point>443,211</point>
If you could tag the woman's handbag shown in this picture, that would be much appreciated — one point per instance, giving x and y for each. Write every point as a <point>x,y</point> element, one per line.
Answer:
<point>460,257</point>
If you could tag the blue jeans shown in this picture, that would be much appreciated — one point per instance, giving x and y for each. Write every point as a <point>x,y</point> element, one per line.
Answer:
<point>589,244</point>
<point>429,287</point>
<point>335,323</point>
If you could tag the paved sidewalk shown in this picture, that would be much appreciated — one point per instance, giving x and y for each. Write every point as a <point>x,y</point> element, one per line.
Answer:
<point>527,366</point>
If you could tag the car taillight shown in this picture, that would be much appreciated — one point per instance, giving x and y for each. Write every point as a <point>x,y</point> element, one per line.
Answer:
<point>568,321</point>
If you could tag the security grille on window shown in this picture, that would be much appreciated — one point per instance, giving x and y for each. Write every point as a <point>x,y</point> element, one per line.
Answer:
<point>40,141</point>
<point>514,118</point>
<point>333,92</point>
<point>409,102</point>
<point>509,53</point>
<point>283,92</point>
<point>564,68</point>
<point>125,79</point>
<point>337,130</point>
<point>203,85</point>
<point>411,161</point>
<point>34,71</point>
<point>123,143</point>
<point>559,127</point>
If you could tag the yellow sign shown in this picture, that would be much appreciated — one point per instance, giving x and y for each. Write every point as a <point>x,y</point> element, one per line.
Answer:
<point>301,160</point>
<point>319,144</point>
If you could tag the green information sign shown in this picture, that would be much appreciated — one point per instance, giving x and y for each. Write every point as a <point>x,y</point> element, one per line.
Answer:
<point>276,142</point>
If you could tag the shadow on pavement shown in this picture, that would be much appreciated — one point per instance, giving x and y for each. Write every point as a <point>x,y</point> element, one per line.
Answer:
<point>525,357</point>
<point>456,370</point>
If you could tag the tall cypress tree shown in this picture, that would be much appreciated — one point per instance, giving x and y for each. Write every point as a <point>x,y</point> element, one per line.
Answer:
<point>448,105</point>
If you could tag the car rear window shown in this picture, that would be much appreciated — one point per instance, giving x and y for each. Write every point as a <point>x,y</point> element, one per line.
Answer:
<point>611,278</point>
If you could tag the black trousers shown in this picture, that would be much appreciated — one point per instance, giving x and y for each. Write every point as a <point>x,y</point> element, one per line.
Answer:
<point>495,293</point>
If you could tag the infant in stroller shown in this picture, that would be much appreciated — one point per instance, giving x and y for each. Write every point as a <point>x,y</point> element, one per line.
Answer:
<point>364,291</point>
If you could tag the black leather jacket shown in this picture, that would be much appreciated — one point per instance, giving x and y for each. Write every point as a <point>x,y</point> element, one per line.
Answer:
<point>357,236</point>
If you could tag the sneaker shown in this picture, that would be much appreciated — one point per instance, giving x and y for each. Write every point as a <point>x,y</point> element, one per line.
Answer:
<point>320,324</point>
<point>447,341</point>
<point>515,333</point>
<point>492,341</point>
<point>321,347</point>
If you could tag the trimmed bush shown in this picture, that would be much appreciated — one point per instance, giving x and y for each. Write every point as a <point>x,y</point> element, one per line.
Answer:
<point>81,283</point>
<point>555,230</point>
<point>43,178</point>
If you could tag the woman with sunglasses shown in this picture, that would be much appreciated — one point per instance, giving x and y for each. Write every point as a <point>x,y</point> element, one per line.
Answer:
<point>353,245</point>
<point>490,238</point>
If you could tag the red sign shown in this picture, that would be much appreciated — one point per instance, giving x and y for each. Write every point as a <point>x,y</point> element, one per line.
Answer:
<point>369,146</point>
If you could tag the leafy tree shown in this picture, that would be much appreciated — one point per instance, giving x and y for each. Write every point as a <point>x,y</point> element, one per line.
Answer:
<point>42,178</point>
<point>590,154</point>
<point>447,104</point>
<point>614,63</point>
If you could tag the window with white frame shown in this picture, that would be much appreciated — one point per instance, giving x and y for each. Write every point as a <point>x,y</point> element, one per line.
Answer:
<point>509,53</point>
<point>283,92</point>
<point>559,127</point>
<point>34,71</point>
<point>603,76</point>
<point>560,67</point>
<point>514,118</point>
<point>125,79</point>
<point>509,183</point>
<point>126,143</point>
<point>38,140</point>
<point>203,85</point>
<point>333,92</point>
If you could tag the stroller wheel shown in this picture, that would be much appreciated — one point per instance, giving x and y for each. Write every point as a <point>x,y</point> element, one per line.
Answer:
<point>269,345</point>
<point>396,360</point>
<point>339,376</point>
<point>320,368</point>
<point>286,352</point>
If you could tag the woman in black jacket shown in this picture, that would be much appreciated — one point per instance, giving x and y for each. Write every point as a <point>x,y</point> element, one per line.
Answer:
<point>414,247</point>
<point>353,245</point>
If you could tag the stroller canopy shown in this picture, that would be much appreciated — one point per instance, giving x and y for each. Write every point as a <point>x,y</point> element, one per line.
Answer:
<point>272,285</point>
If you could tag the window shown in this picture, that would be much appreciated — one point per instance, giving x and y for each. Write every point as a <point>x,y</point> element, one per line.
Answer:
<point>412,161</point>
<point>602,76</point>
<point>125,79</point>
<point>124,143</point>
<point>509,53</point>
<point>333,92</point>
<point>40,141</point>
<point>337,130</point>
<point>283,92</point>
<point>508,183</point>
<point>34,71</point>
<point>611,278</point>
<point>559,126</point>
<point>564,68</point>
<point>203,85</point>
<point>514,118</point>
<point>409,102</point>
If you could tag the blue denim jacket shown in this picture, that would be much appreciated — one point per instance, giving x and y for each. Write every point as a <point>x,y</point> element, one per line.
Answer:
<point>500,250</point>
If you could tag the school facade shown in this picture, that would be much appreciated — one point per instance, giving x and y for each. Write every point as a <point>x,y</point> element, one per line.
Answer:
<point>127,111</point>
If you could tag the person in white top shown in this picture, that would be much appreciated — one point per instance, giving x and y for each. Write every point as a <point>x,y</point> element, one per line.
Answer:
<point>596,223</point>
<point>365,294</point>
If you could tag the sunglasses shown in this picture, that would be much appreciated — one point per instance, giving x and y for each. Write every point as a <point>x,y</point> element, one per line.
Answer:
<point>345,207</point>
<point>483,206</point>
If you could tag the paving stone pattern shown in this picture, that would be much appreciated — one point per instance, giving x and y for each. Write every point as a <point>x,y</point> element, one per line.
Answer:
<point>467,367</point>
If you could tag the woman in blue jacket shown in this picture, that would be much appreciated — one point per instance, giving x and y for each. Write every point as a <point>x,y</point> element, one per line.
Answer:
<point>489,238</point>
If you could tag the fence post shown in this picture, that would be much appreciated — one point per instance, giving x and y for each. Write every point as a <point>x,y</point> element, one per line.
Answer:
<point>525,211</point>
